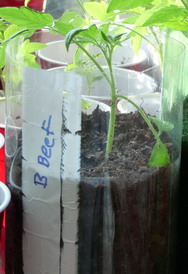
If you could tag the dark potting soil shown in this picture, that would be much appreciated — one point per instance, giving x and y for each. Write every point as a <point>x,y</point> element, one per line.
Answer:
<point>14,220</point>
<point>123,225</point>
<point>123,203</point>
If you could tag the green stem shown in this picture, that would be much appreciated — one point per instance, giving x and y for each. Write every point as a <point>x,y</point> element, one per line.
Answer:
<point>111,81</point>
<point>111,127</point>
<point>85,12</point>
<point>16,34</point>
<point>144,116</point>
<point>159,44</point>
<point>95,62</point>
<point>185,4</point>
<point>81,6</point>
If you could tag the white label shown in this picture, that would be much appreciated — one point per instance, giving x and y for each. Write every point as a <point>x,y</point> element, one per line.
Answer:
<point>71,176</point>
<point>43,116</point>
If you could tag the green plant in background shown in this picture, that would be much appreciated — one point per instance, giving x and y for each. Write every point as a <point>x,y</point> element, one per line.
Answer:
<point>80,31</point>
<point>147,16</point>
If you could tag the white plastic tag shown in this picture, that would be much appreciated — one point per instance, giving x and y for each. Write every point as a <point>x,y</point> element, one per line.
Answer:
<point>49,179</point>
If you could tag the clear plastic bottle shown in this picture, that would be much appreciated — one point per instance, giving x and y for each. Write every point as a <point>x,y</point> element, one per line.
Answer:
<point>74,210</point>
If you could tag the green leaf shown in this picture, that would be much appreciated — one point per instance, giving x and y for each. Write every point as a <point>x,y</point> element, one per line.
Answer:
<point>1,36</point>
<point>62,28</point>
<point>92,32</point>
<point>85,104</point>
<point>70,66</point>
<point>136,43</point>
<point>98,10</point>
<point>106,38</point>
<point>104,27</point>
<point>138,10</point>
<point>118,30</point>
<point>130,20</point>
<point>2,56</point>
<point>30,61</point>
<point>26,17</point>
<point>158,2</point>
<point>94,35</point>
<point>177,25</point>
<point>77,55</point>
<point>74,19</point>
<point>136,38</point>
<point>4,25</point>
<point>130,4</point>
<point>162,125</point>
<point>146,15</point>
<point>70,36</point>
<point>29,47</point>
<point>159,156</point>
<point>136,31</point>
<point>11,30</point>
<point>166,14</point>
<point>24,53</point>
<point>116,38</point>
<point>91,35</point>
<point>32,47</point>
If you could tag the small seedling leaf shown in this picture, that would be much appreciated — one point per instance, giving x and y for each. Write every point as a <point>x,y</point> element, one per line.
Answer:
<point>70,66</point>
<point>30,61</point>
<point>162,125</point>
<point>92,32</point>
<point>70,36</point>
<point>117,37</point>
<point>85,104</point>
<point>92,35</point>
<point>106,39</point>
<point>25,53</point>
<point>159,156</point>
<point>77,55</point>
<point>137,39</point>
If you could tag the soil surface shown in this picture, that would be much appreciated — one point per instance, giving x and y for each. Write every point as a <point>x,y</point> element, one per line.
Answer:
<point>14,220</point>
